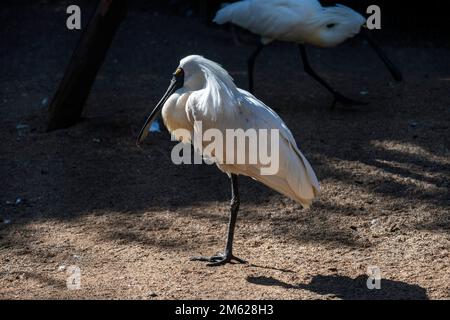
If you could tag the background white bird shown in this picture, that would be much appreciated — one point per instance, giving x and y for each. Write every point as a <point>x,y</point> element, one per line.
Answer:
<point>201,90</point>
<point>302,22</point>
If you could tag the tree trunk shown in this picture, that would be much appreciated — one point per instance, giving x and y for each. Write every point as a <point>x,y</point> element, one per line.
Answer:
<point>67,104</point>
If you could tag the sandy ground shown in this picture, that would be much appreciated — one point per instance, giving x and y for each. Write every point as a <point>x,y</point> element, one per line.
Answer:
<point>130,219</point>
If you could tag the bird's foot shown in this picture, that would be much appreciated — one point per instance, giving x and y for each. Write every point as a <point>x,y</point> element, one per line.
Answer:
<point>345,101</point>
<point>220,259</point>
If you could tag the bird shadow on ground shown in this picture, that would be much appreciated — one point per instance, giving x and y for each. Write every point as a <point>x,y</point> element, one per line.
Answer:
<point>36,277</point>
<point>271,268</point>
<point>346,288</point>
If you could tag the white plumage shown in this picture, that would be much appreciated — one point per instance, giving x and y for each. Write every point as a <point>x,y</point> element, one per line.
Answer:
<point>209,95</point>
<point>203,94</point>
<point>299,21</point>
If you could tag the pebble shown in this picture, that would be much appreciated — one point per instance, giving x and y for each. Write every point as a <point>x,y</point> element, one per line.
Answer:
<point>155,127</point>
<point>44,102</point>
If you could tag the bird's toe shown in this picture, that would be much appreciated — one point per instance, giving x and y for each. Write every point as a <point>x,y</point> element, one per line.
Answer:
<point>219,259</point>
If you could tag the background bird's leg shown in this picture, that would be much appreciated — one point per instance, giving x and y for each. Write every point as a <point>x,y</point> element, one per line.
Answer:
<point>251,64</point>
<point>227,256</point>
<point>235,36</point>
<point>396,74</point>
<point>337,96</point>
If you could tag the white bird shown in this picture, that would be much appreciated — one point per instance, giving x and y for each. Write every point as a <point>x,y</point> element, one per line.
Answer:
<point>201,90</point>
<point>302,22</point>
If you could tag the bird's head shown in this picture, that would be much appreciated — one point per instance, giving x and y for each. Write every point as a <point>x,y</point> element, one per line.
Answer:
<point>195,73</point>
<point>334,25</point>
<point>194,76</point>
<point>199,73</point>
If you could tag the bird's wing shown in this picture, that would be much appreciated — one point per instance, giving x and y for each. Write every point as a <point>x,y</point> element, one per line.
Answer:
<point>272,19</point>
<point>295,177</point>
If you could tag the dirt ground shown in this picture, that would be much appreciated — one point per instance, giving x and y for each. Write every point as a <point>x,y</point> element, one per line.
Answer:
<point>130,219</point>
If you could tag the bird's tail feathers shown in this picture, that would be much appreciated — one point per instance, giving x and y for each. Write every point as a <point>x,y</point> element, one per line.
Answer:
<point>304,183</point>
<point>227,13</point>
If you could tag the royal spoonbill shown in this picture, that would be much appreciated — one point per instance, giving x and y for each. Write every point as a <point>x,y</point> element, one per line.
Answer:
<point>201,91</point>
<point>302,22</point>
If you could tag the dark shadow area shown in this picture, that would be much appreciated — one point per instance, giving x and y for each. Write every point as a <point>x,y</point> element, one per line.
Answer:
<point>350,289</point>
<point>35,276</point>
<point>95,167</point>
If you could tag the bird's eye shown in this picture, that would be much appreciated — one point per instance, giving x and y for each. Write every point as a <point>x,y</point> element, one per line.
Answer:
<point>331,25</point>
<point>178,72</point>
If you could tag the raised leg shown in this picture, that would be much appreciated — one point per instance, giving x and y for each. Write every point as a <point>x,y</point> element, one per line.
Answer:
<point>396,74</point>
<point>227,256</point>
<point>251,65</point>
<point>337,96</point>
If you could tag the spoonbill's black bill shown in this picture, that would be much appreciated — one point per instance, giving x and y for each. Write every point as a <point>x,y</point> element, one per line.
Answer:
<point>175,84</point>
<point>395,72</point>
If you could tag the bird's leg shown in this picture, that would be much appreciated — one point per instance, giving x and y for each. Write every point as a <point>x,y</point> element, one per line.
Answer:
<point>235,36</point>
<point>251,65</point>
<point>396,74</point>
<point>337,96</point>
<point>227,256</point>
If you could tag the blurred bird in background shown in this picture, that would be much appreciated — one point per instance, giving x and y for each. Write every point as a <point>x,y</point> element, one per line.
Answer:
<point>302,22</point>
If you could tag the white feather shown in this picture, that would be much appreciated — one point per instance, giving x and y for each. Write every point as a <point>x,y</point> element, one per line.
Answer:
<point>210,96</point>
<point>300,21</point>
